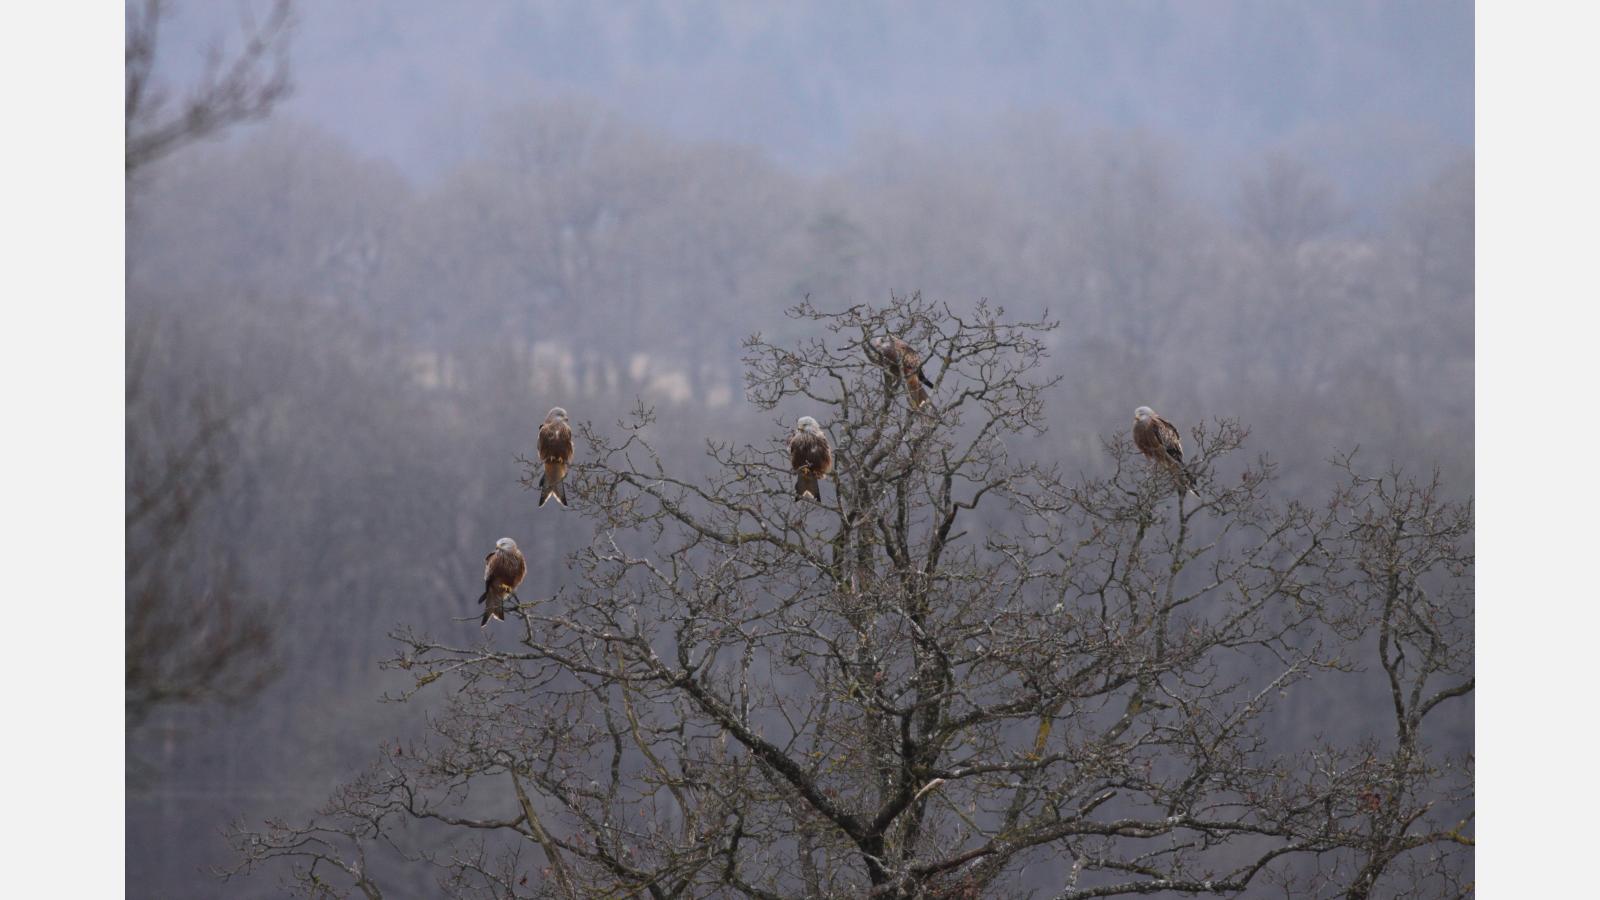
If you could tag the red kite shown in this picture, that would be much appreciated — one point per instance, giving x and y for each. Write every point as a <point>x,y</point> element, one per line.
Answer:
<point>811,457</point>
<point>1158,440</point>
<point>503,569</point>
<point>900,361</point>
<point>555,451</point>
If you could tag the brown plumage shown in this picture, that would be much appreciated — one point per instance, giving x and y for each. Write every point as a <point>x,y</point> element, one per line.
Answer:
<point>811,457</point>
<point>503,569</point>
<point>555,451</point>
<point>1158,440</point>
<point>900,362</point>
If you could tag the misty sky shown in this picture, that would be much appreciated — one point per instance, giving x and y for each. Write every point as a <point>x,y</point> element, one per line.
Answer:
<point>1372,88</point>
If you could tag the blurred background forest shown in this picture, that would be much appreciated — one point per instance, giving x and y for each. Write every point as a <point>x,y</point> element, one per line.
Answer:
<point>346,320</point>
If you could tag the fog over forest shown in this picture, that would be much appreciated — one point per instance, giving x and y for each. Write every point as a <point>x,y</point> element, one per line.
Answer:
<point>346,321</point>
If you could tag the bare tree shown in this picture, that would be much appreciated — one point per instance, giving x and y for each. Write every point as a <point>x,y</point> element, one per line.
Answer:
<point>1408,563</point>
<point>232,88</point>
<point>191,634</point>
<point>958,667</point>
<point>1284,205</point>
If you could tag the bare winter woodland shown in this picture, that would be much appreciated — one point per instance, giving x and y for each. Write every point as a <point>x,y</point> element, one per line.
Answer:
<point>1001,657</point>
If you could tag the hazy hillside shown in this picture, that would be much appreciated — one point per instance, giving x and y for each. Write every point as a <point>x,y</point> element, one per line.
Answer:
<point>1252,210</point>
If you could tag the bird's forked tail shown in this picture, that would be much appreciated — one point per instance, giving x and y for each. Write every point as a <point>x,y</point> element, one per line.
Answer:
<point>806,483</point>
<point>1187,482</point>
<point>493,607</point>
<point>553,483</point>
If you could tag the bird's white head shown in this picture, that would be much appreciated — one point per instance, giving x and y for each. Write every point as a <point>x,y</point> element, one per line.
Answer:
<point>506,544</point>
<point>1143,412</point>
<point>807,423</point>
<point>557,412</point>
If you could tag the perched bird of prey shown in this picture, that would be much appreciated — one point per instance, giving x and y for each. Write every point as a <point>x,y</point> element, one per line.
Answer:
<point>811,457</point>
<point>900,361</point>
<point>1157,439</point>
<point>503,569</point>
<point>555,451</point>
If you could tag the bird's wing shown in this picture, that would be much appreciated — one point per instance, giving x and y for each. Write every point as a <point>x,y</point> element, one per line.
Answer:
<point>516,568</point>
<point>797,448</point>
<point>1171,441</point>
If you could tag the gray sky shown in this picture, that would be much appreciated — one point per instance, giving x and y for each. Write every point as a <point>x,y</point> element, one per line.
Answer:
<point>1369,86</point>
